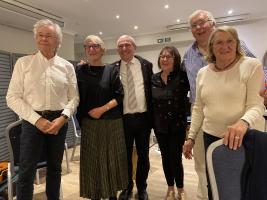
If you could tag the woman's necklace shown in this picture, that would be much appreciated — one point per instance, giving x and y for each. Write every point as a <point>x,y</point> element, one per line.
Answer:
<point>227,66</point>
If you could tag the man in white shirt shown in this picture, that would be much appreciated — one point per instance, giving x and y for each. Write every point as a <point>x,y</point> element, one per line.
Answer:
<point>43,92</point>
<point>135,75</point>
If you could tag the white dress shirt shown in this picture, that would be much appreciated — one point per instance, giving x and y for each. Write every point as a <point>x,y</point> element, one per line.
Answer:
<point>135,67</point>
<point>39,84</point>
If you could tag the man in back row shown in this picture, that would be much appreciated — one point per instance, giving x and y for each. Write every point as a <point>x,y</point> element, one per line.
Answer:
<point>202,23</point>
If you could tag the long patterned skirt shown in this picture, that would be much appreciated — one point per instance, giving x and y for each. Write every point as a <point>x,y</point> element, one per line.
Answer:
<point>103,161</point>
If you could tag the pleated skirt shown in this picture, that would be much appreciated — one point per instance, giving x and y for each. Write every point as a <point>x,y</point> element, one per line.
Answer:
<point>103,158</point>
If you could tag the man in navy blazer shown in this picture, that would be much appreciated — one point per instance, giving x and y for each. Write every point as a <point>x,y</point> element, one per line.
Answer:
<point>136,115</point>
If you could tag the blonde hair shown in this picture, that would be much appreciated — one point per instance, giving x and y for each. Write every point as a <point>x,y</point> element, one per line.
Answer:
<point>96,39</point>
<point>226,29</point>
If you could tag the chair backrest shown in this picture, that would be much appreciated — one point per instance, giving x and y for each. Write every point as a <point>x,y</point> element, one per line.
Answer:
<point>13,133</point>
<point>225,169</point>
<point>76,126</point>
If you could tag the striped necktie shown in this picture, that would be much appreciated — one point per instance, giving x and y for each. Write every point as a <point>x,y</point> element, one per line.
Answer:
<point>132,103</point>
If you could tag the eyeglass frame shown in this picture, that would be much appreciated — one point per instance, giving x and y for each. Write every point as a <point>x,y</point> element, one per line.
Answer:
<point>125,45</point>
<point>201,24</point>
<point>93,46</point>
<point>168,57</point>
<point>46,36</point>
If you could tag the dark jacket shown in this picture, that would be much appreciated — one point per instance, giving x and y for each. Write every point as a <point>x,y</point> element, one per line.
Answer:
<point>97,88</point>
<point>254,175</point>
<point>170,101</point>
<point>147,72</point>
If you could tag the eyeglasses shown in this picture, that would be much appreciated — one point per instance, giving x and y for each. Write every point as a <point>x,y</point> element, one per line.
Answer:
<point>46,36</point>
<point>200,24</point>
<point>220,43</point>
<point>93,46</point>
<point>168,57</point>
<point>126,45</point>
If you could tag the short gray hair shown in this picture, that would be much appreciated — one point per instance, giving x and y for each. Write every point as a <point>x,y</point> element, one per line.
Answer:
<point>47,22</point>
<point>198,12</point>
<point>96,39</point>
<point>127,37</point>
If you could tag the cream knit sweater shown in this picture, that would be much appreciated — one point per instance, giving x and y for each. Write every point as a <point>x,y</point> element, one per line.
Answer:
<point>222,98</point>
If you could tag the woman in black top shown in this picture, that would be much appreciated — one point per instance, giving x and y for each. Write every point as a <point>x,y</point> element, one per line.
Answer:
<point>169,97</point>
<point>103,165</point>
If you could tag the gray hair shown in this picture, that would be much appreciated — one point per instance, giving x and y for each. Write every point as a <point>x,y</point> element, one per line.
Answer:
<point>198,12</point>
<point>127,37</point>
<point>47,22</point>
<point>96,39</point>
<point>265,59</point>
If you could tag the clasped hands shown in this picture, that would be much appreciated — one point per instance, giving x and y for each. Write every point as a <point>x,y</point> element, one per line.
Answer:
<point>97,112</point>
<point>49,127</point>
<point>233,138</point>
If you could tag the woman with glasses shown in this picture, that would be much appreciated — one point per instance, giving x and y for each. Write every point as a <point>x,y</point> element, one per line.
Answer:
<point>169,97</point>
<point>103,161</point>
<point>228,99</point>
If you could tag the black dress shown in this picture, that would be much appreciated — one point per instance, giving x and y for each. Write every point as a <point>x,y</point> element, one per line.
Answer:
<point>103,162</point>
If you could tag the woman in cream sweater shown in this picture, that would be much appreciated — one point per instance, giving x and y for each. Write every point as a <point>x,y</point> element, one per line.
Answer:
<point>228,99</point>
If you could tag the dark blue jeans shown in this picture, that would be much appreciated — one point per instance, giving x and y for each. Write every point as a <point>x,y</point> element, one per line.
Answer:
<point>33,143</point>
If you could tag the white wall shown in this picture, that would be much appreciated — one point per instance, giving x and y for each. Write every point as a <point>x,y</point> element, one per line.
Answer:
<point>67,48</point>
<point>20,41</point>
<point>255,36</point>
<point>253,33</point>
<point>147,46</point>
<point>150,52</point>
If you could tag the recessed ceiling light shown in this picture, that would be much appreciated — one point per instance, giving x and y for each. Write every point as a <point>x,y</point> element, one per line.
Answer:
<point>166,6</point>
<point>135,27</point>
<point>100,33</point>
<point>230,12</point>
<point>117,17</point>
<point>178,20</point>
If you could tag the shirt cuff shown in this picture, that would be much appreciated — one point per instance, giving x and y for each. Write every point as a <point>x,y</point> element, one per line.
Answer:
<point>191,135</point>
<point>33,118</point>
<point>66,112</point>
<point>246,121</point>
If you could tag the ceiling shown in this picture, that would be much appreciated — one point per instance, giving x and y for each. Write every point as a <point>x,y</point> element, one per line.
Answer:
<point>84,17</point>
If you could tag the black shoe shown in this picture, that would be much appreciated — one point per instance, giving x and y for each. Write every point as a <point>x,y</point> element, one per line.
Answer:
<point>125,194</point>
<point>112,198</point>
<point>142,195</point>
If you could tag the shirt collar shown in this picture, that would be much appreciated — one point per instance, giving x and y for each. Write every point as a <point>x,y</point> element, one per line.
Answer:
<point>195,47</point>
<point>133,61</point>
<point>40,55</point>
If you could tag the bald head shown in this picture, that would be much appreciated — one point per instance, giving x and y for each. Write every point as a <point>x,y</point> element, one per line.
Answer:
<point>126,38</point>
<point>126,47</point>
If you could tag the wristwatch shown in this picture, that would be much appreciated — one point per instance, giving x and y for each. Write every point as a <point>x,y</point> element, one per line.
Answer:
<point>65,116</point>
